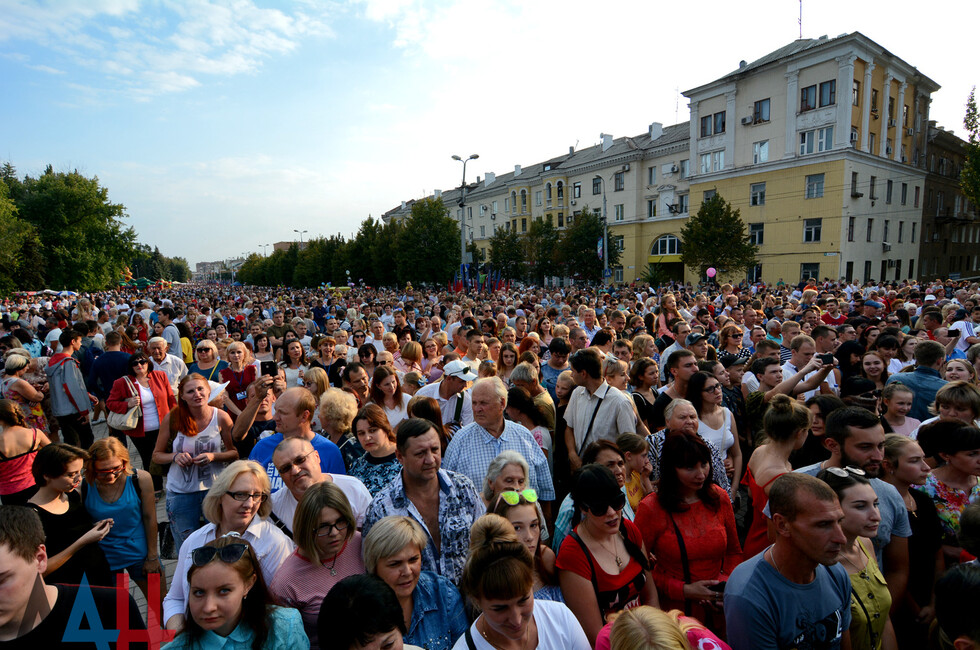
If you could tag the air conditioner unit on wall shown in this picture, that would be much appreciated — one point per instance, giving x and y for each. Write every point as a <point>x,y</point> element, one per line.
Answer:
<point>626,167</point>
<point>573,202</point>
<point>854,136</point>
<point>886,247</point>
<point>746,120</point>
<point>674,169</point>
<point>892,122</point>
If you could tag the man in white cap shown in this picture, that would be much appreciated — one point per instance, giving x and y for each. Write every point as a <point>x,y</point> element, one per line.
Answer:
<point>454,400</point>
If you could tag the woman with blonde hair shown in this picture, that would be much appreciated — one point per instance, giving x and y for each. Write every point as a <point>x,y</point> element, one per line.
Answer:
<point>114,490</point>
<point>649,628</point>
<point>498,579</point>
<point>17,389</point>
<point>336,414</point>
<point>328,549</point>
<point>206,361</point>
<point>410,359</point>
<point>238,505</point>
<point>239,374</point>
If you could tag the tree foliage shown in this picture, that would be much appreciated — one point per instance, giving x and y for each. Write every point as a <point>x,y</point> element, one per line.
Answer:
<point>578,254</point>
<point>150,263</point>
<point>541,245</point>
<point>716,236</point>
<point>506,254</point>
<point>970,175</point>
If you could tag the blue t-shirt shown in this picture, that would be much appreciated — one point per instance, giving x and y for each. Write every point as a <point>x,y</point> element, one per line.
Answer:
<point>331,462</point>
<point>764,610</point>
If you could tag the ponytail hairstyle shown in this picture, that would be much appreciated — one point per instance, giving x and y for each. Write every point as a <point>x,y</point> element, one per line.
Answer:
<point>499,566</point>
<point>11,415</point>
<point>784,418</point>
<point>184,420</point>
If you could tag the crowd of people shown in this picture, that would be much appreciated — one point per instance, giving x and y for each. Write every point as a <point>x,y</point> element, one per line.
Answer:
<point>678,467</point>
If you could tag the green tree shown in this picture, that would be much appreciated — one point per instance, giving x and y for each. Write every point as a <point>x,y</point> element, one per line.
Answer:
<point>428,248</point>
<point>506,254</point>
<point>970,174</point>
<point>17,239</point>
<point>578,251</point>
<point>716,236</point>
<point>540,246</point>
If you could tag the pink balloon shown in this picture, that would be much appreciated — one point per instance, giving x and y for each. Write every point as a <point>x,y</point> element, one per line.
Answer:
<point>711,272</point>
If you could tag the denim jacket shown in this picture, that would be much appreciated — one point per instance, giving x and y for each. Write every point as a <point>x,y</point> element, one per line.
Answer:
<point>438,614</point>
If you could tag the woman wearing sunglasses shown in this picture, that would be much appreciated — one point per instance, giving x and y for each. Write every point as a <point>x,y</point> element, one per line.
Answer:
<point>328,550</point>
<point>114,490</point>
<point>238,502</point>
<point>602,565</point>
<point>149,390</point>
<point>229,606</point>
<point>431,606</point>
<point>871,626</point>
<point>499,580</point>
<point>689,526</point>
<point>520,509</point>
<point>206,361</point>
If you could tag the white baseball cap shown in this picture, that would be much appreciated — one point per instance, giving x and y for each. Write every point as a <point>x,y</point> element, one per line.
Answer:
<point>460,370</point>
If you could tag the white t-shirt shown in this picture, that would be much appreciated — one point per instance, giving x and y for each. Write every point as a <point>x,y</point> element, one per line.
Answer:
<point>397,415</point>
<point>966,329</point>
<point>284,503</point>
<point>558,629</point>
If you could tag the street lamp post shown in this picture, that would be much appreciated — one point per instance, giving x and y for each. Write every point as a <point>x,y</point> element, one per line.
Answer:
<point>605,231</point>
<point>301,233</point>
<point>462,212</point>
<point>265,250</point>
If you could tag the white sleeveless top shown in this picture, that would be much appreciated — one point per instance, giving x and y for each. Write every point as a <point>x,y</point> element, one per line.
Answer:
<point>722,438</point>
<point>196,478</point>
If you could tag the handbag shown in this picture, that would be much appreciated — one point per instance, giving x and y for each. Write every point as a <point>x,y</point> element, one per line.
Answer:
<point>130,419</point>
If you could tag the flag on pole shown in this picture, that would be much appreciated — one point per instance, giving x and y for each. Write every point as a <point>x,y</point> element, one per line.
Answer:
<point>599,247</point>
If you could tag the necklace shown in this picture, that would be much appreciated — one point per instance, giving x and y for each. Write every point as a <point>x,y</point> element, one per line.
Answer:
<point>483,632</point>
<point>772,558</point>
<point>614,552</point>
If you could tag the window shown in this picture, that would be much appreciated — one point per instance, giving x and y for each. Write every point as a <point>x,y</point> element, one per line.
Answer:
<point>720,122</point>
<point>760,112</point>
<point>760,152</point>
<point>873,196</point>
<point>808,98</point>
<point>493,210</point>
<point>619,181</point>
<point>619,211</point>
<point>523,225</point>
<point>872,138</point>
<point>683,202</point>
<point>513,200</point>
<point>651,208</point>
<point>856,93</point>
<point>814,186</point>
<point>849,271</point>
<point>651,175</point>
<point>561,191</point>
<point>817,140</point>
<point>828,92</point>
<point>888,191</point>
<point>850,229</point>
<point>855,136</point>
<point>506,205</point>
<point>758,193</point>
<point>523,201</point>
<point>708,195</point>
<point>811,230</point>
<point>916,202</point>
<point>547,189</point>
<point>483,231</point>
<point>905,193</point>
<point>618,274</point>
<point>596,186</point>
<point>619,243</point>
<point>666,245</point>
<point>577,190</point>
<point>561,219</point>
<point>712,162</point>
<point>884,232</point>
<point>809,270</point>
<point>867,270</point>
<point>874,100</point>
<point>891,108</point>
<point>905,116</point>
<point>901,231</point>
<point>854,184</point>
<point>537,198</point>
<point>871,226</point>
<point>685,168</point>
<point>756,233</point>
<point>706,122</point>
<point>705,163</point>
<point>912,267</point>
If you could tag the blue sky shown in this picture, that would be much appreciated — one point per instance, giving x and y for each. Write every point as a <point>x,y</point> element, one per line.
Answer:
<point>222,125</point>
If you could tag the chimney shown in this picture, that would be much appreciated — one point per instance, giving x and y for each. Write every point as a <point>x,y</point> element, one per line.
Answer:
<point>656,130</point>
<point>477,180</point>
<point>607,141</point>
<point>571,150</point>
<point>517,170</point>
<point>742,64</point>
<point>403,205</point>
<point>437,194</point>
<point>488,181</point>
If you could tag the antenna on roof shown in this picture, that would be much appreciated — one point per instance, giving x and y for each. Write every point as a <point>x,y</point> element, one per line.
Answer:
<point>800,21</point>
<point>677,102</point>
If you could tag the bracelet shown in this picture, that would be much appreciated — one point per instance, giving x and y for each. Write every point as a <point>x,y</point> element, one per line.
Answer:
<point>153,559</point>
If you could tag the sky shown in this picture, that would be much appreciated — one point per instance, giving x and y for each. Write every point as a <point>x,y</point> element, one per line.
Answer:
<point>224,125</point>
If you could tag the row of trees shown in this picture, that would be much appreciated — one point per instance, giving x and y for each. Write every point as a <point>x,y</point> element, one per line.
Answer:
<point>59,230</point>
<point>426,248</point>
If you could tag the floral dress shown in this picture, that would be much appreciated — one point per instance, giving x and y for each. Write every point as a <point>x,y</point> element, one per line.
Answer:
<point>32,411</point>
<point>950,503</point>
<point>376,473</point>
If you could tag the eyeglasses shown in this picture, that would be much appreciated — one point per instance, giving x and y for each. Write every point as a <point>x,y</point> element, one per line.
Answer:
<point>112,471</point>
<point>599,506</point>
<point>227,554</point>
<point>512,497</point>
<point>299,460</point>
<point>381,363</point>
<point>204,349</point>
<point>245,496</point>
<point>711,389</point>
<point>844,472</point>
<point>141,362</point>
<point>323,530</point>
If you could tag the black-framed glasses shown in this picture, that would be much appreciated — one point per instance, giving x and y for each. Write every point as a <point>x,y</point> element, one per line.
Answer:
<point>324,530</point>
<point>287,467</point>
<point>599,506</point>
<point>711,389</point>
<point>227,554</point>
<point>245,496</point>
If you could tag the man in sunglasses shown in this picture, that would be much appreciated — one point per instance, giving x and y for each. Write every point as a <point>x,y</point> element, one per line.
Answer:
<point>855,438</point>
<point>34,614</point>
<point>298,464</point>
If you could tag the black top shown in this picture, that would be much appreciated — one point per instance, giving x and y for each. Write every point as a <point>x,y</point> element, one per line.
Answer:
<point>334,371</point>
<point>657,420</point>
<point>54,627</point>
<point>926,539</point>
<point>644,409</point>
<point>60,532</point>
<point>811,452</point>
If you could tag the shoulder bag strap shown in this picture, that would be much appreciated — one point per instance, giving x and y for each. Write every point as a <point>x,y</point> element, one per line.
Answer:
<point>592,575</point>
<point>588,431</point>
<point>460,397</point>
<point>684,562</point>
<point>469,638</point>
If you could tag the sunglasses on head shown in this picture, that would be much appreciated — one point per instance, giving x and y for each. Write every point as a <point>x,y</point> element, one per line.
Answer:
<point>599,506</point>
<point>512,498</point>
<point>227,554</point>
<point>843,472</point>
